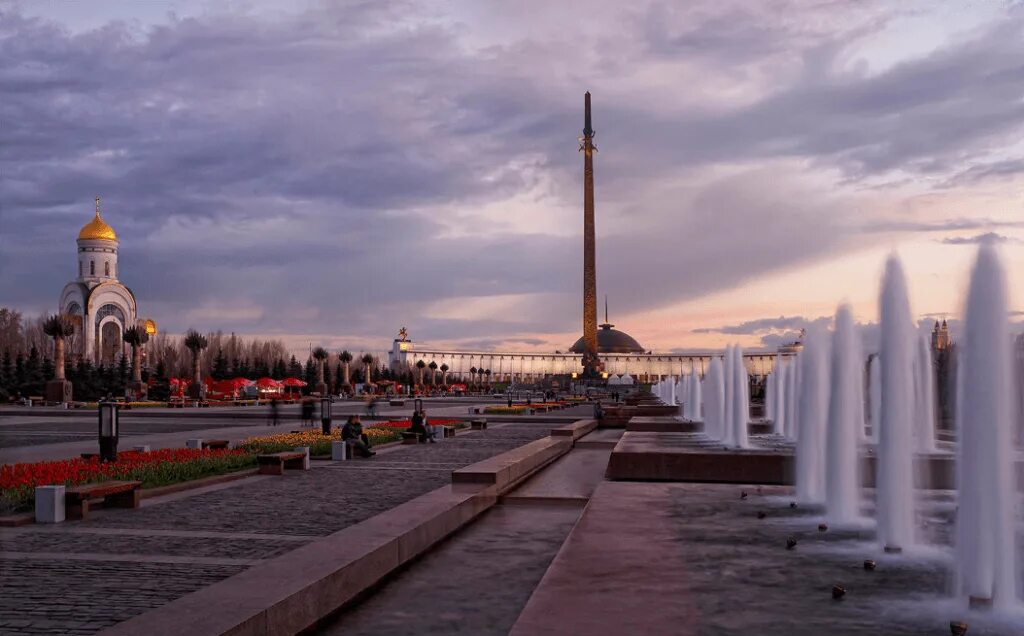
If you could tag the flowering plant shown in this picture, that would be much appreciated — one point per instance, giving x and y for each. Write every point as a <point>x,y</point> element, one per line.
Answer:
<point>155,468</point>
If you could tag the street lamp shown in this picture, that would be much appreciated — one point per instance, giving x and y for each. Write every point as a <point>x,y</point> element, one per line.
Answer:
<point>417,405</point>
<point>325,414</point>
<point>108,431</point>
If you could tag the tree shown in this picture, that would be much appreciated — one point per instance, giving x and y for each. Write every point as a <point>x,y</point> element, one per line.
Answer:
<point>309,374</point>
<point>320,355</point>
<point>472,376</point>
<point>368,367</point>
<point>444,374</point>
<point>294,368</point>
<point>487,372</point>
<point>220,366</point>
<point>433,373</point>
<point>136,338</point>
<point>345,358</point>
<point>280,370</point>
<point>59,327</point>
<point>195,342</point>
<point>420,364</point>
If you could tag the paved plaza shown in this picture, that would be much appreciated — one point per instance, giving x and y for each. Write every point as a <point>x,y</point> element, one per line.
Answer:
<point>62,579</point>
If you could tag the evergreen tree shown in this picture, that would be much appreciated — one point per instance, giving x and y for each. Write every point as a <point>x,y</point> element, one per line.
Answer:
<point>294,368</point>
<point>261,369</point>
<point>34,380</point>
<point>7,371</point>
<point>280,370</point>
<point>19,373</point>
<point>309,374</point>
<point>220,366</point>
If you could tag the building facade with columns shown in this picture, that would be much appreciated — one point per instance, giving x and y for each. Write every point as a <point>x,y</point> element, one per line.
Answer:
<point>514,366</point>
<point>100,306</point>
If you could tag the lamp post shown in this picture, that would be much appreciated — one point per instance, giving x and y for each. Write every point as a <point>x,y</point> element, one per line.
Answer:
<point>108,431</point>
<point>417,405</point>
<point>325,414</point>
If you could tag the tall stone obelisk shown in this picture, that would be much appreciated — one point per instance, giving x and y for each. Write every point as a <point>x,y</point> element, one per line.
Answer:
<point>591,363</point>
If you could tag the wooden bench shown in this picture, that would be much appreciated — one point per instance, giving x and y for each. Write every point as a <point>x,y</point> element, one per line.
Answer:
<point>115,494</point>
<point>275,463</point>
<point>215,444</point>
<point>478,425</point>
<point>410,438</point>
<point>447,431</point>
<point>396,403</point>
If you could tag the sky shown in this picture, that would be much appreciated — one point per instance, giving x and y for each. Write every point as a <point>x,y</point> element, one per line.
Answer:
<point>327,172</point>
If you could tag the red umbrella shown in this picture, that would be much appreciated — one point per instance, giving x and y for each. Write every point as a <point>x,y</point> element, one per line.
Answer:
<point>293,382</point>
<point>269,385</point>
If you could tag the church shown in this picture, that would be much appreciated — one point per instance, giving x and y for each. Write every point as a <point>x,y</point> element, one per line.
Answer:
<point>100,306</point>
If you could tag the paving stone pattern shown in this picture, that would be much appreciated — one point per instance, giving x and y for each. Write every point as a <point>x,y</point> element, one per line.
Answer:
<point>77,543</point>
<point>83,597</point>
<point>47,596</point>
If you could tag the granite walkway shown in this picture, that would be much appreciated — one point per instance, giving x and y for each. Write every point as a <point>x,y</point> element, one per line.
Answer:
<point>79,577</point>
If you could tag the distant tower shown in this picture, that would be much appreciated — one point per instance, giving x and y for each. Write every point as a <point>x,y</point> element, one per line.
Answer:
<point>591,363</point>
<point>940,336</point>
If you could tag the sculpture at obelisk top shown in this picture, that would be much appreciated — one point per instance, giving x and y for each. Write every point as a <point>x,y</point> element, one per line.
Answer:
<point>591,363</point>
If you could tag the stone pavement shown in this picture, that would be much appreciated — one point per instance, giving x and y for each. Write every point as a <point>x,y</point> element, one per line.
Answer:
<point>120,563</point>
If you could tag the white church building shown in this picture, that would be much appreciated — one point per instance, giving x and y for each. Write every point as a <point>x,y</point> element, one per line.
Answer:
<point>99,304</point>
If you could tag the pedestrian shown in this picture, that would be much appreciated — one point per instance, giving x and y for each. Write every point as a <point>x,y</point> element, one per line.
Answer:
<point>353,435</point>
<point>274,415</point>
<point>307,412</point>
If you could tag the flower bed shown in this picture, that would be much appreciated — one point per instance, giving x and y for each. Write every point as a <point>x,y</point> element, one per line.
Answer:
<point>432,421</point>
<point>156,468</point>
<point>146,404</point>
<point>319,444</point>
<point>507,410</point>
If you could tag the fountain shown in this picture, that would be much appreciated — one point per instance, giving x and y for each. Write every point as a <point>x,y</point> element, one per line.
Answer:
<point>695,397</point>
<point>778,393</point>
<point>924,394</point>
<point>986,555</point>
<point>714,400</point>
<point>874,397</point>
<point>810,444</point>
<point>769,398</point>
<point>845,422</point>
<point>792,380</point>
<point>894,476</point>
<point>741,400</point>
<point>729,380</point>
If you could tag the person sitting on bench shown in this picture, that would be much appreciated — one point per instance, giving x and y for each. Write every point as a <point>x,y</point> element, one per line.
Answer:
<point>419,425</point>
<point>353,435</point>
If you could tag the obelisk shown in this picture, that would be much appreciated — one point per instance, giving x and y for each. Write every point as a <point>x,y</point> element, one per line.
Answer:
<point>591,363</point>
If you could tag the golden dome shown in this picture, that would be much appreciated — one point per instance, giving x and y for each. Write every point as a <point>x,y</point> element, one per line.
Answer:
<point>97,228</point>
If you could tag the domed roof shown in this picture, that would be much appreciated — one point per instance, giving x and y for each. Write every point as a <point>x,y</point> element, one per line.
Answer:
<point>97,228</point>
<point>611,341</point>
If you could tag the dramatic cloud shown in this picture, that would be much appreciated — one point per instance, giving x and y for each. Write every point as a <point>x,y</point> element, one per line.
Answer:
<point>337,170</point>
<point>979,239</point>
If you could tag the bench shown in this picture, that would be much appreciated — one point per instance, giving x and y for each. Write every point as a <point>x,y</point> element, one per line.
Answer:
<point>447,431</point>
<point>396,403</point>
<point>275,463</point>
<point>410,438</point>
<point>215,444</point>
<point>115,494</point>
<point>478,425</point>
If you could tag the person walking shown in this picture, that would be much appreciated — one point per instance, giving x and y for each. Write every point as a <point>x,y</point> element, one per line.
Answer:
<point>274,412</point>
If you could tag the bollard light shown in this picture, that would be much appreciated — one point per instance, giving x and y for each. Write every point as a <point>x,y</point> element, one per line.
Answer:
<point>325,414</point>
<point>108,431</point>
<point>417,405</point>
